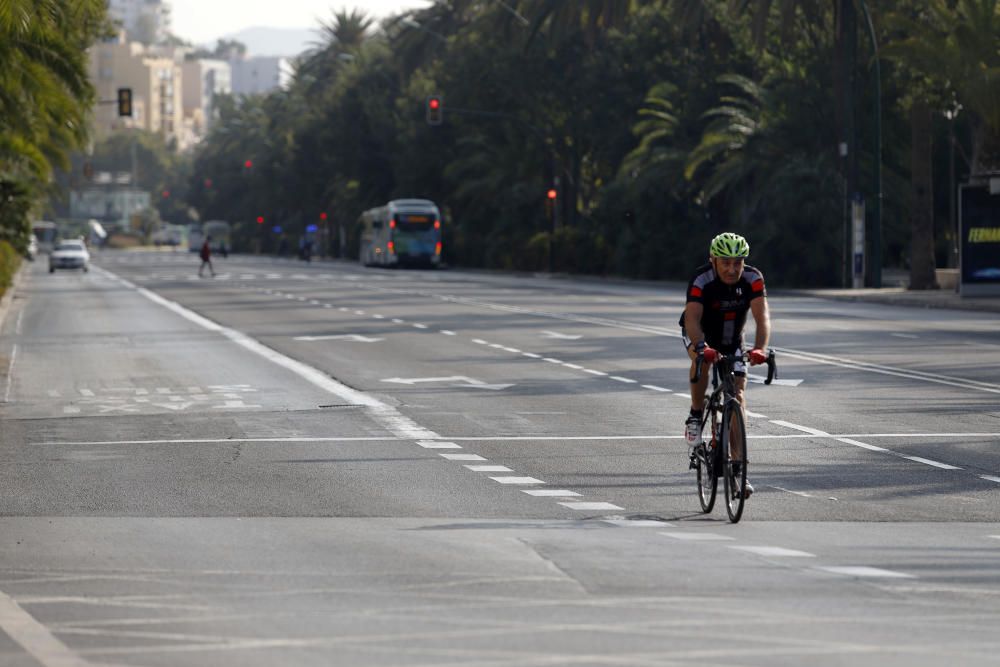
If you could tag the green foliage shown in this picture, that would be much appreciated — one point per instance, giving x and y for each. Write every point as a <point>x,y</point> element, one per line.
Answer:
<point>663,123</point>
<point>10,260</point>
<point>45,98</point>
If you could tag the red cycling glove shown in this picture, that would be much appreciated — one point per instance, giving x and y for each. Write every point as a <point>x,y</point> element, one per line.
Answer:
<point>710,354</point>
<point>757,356</point>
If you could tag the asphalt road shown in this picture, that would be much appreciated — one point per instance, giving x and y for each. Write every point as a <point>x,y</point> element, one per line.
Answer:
<point>325,464</point>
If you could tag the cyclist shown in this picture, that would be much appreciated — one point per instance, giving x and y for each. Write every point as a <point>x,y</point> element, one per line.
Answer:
<point>718,297</point>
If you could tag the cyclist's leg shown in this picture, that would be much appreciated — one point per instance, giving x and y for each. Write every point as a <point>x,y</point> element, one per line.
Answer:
<point>740,377</point>
<point>697,388</point>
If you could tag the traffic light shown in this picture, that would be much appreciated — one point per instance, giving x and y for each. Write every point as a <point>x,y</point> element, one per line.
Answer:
<point>322,216</point>
<point>551,194</point>
<point>435,110</point>
<point>125,102</point>
<point>260,220</point>
<point>248,164</point>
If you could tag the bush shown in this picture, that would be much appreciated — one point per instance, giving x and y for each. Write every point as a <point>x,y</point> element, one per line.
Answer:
<point>10,260</point>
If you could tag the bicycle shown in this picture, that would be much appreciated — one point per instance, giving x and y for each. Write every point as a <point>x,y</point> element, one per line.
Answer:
<point>714,459</point>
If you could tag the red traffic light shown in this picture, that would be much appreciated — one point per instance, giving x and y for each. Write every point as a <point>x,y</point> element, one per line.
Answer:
<point>166,194</point>
<point>260,220</point>
<point>322,216</point>
<point>435,110</point>
<point>248,164</point>
<point>551,194</point>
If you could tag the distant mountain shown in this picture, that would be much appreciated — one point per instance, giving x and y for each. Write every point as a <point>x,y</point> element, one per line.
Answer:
<point>276,41</point>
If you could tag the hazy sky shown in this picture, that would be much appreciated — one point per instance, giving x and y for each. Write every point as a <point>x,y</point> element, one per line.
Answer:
<point>204,21</point>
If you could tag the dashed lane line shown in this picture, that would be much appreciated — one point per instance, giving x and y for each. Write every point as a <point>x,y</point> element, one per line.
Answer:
<point>865,572</point>
<point>585,506</point>
<point>778,552</point>
<point>34,637</point>
<point>517,480</point>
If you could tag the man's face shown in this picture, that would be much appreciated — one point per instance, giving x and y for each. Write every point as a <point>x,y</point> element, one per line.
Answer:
<point>729,269</point>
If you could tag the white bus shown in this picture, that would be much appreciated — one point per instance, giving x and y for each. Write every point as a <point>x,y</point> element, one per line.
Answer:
<point>403,232</point>
<point>46,234</point>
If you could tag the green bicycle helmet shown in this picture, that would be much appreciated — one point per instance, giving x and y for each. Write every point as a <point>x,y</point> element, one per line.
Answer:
<point>728,244</point>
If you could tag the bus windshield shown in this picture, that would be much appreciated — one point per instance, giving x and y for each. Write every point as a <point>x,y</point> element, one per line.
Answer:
<point>414,222</point>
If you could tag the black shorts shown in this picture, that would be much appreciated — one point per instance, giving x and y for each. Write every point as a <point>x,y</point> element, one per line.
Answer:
<point>739,368</point>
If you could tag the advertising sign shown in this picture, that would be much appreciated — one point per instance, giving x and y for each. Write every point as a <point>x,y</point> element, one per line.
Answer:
<point>979,215</point>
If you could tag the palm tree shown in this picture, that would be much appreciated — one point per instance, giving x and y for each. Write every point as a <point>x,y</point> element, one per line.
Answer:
<point>45,94</point>
<point>956,44</point>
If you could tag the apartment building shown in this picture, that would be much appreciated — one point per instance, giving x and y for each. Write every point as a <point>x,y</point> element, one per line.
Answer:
<point>145,21</point>
<point>156,83</point>
<point>203,81</point>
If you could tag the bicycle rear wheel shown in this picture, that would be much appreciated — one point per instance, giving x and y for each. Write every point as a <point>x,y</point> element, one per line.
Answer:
<point>706,455</point>
<point>734,470</point>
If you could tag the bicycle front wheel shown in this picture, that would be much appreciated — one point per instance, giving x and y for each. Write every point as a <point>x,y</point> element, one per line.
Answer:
<point>706,455</point>
<point>734,470</point>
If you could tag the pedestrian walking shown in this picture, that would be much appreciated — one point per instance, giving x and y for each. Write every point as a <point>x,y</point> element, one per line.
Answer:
<point>206,257</point>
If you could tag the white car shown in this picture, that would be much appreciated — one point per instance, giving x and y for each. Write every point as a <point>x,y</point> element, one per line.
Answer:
<point>69,255</point>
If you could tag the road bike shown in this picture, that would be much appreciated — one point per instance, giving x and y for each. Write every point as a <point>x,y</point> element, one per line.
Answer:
<point>723,415</point>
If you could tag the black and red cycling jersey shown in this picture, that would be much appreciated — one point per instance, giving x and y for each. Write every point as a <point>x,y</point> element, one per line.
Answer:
<point>725,306</point>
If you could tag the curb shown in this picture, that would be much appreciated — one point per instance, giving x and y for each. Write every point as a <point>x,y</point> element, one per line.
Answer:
<point>9,294</point>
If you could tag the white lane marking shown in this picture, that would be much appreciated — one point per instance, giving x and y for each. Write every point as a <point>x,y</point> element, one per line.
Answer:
<point>756,414</point>
<point>343,309</point>
<point>699,537</point>
<point>436,444</point>
<point>396,320</point>
<point>863,571</point>
<point>638,523</point>
<point>531,355</point>
<point>656,388</point>
<point>672,333</point>
<point>551,360</point>
<point>87,392</point>
<point>328,305</point>
<point>448,333</point>
<point>517,480</point>
<point>990,478</point>
<point>10,374</point>
<point>551,493</point>
<point>419,326</point>
<point>359,312</point>
<point>824,434</point>
<point>584,506</point>
<point>357,338</point>
<point>575,367</point>
<point>556,334</point>
<point>865,445</point>
<point>593,372</point>
<point>479,341</point>
<point>378,317</point>
<point>995,537</point>
<point>681,395</point>
<point>775,551</point>
<point>936,464</point>
<point>34,637</point>
<point>488,468</point>
<point>511,349</point>
<point>797,493</point>
<point>384,415</point>
<point>315,302</point>
<point>497,346</point>
<point>456,380</point>
<point>20,321</point>
<point>618,378</point>
<point>901,335</point>
<point>463,457</point>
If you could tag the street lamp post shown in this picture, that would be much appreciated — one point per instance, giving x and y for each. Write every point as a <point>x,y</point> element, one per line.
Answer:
<point>877,214</point>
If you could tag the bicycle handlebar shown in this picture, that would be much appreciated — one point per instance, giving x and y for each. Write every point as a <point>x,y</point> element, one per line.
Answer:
<point>772,367</point>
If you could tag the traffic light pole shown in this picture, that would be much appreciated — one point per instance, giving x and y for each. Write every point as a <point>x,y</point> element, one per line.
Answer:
<point>552,203</point>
